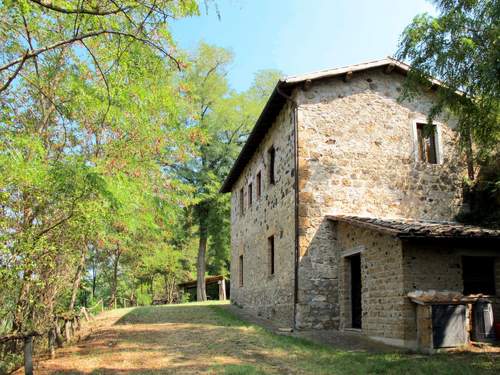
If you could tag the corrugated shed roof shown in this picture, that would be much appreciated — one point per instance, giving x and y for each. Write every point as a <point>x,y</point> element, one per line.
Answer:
<point>405,228</point>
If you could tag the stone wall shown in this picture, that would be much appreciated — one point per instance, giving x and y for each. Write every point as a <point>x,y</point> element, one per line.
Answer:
<point>382,293</point>
<point>437,265</point>
<point>269,296</point>
<point>357,156</point>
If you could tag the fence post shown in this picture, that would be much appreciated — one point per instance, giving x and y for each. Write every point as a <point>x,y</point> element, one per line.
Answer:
<point>59,337</point>
<point>85,314</point>
<point>28,351</point>
<point>51,341</point>
<point>67,330</point>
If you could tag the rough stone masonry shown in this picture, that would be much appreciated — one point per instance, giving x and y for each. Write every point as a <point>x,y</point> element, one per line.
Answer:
<point>356,149</point>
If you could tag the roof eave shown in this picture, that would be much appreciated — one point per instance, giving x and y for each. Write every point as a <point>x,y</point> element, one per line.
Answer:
<point>258,132</point>
<point>286,84</point>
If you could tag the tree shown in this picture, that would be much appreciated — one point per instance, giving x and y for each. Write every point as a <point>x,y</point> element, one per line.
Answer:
<point>86,126</point>
<point>221,119</point>
<point>461,48</point>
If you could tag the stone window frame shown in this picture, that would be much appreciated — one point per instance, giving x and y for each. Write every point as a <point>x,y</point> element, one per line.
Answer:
<point>438,140</point>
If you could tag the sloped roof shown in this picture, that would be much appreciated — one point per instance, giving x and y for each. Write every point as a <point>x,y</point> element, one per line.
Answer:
<point>405,228</point>
<point>277,100</point>
<point>321,74</point>
<point>208,280</point>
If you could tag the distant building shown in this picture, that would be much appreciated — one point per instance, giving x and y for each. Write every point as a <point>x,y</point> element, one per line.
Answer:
<point>216,288</point>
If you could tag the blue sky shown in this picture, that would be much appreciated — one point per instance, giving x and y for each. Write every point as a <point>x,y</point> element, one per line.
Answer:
<point>298,36</point>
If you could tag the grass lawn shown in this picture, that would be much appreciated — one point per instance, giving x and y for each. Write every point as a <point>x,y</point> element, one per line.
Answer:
<point>208,339</point>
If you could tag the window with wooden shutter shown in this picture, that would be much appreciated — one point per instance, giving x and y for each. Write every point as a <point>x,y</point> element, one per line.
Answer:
<point>426,137</point>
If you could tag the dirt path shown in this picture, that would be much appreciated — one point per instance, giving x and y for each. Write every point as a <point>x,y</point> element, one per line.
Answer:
<point>164,339</point>
<point>205,339</point>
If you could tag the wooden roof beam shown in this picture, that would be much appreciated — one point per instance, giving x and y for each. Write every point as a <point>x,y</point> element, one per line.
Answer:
<point>348,76</point>
<point>389,68</point>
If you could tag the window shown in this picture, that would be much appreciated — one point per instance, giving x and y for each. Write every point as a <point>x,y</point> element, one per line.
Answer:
<point>241,270</point>
<point>479,275</point>
<point>426,137</point>
<point>272,157</point>
<point>242,201</point>
<point>259,185</point>
<point>270,244</point>
<point>250,195</point>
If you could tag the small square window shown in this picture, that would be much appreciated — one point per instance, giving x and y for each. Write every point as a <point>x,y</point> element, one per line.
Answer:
<point>426,137</point>
<point>478,275</point>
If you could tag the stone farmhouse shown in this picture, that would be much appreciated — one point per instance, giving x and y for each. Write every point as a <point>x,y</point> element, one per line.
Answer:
<point>343,201</point>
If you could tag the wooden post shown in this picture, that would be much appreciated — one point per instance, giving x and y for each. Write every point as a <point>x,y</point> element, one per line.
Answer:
<point>85,314</point>
<point>28,352</point>
<point>59,337</point>
<point>67,329</point>
<point>222,290</point>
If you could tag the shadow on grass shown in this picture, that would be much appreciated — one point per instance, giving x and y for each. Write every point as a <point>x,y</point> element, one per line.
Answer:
<point>203,335</point>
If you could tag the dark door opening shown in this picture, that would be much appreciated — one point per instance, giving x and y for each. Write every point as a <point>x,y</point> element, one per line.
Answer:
<point>478,275</point>
<point>355,261</point>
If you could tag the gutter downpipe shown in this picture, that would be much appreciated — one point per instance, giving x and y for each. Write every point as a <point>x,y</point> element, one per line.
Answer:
<point>295,108</point>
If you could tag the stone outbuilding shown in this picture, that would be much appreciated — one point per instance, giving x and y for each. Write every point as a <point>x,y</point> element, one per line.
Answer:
<point>342,202</point>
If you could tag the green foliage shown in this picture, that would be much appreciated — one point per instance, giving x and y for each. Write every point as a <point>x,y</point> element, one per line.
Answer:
<point>113,146</point>
<point>460,47</point>
<point>86,129</point>
<point>220,120</point>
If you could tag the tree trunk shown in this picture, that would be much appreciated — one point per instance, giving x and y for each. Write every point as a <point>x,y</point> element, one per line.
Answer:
<point>201,289</point>
<point>114,286</point>
<point>67,330</point>
<point>59,337</point>
<point>51,342</point>
<point>469,155</point>
<point>94,280</point>
<point>76,281</point>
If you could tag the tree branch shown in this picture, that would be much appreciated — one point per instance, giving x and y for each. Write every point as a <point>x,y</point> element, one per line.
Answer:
<point>16,72</point>
<point>98,67</point>
<point>78,38</point>
<point>79,10</point>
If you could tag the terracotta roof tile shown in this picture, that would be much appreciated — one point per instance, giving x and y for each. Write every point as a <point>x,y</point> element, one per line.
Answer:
<point>419,228</point>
